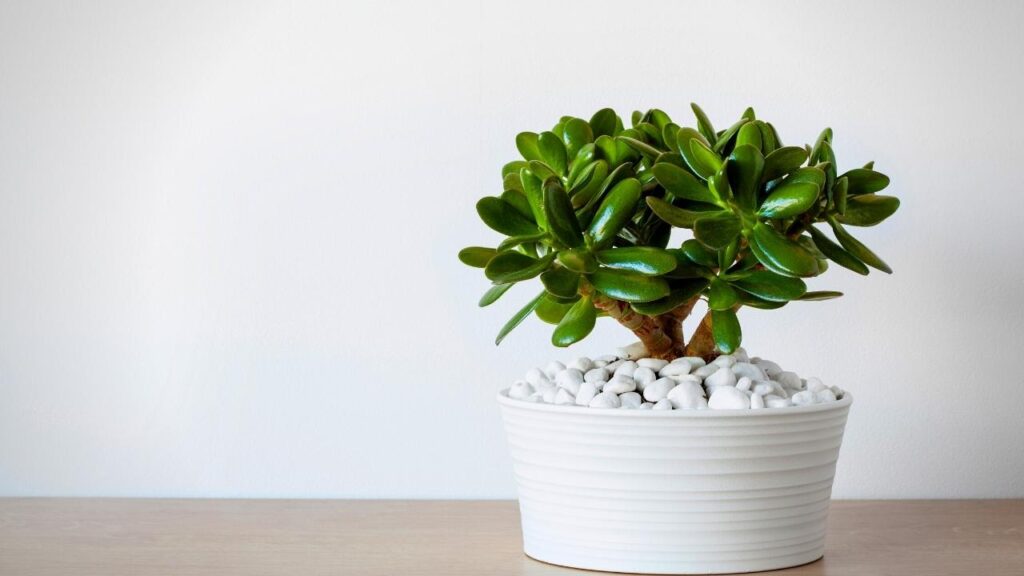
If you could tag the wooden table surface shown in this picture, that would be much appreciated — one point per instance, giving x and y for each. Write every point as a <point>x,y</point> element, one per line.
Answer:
<point>115,537</point>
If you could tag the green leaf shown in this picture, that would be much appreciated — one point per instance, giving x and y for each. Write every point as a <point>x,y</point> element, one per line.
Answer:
<point>864,181</point>
<point>717,230</point>
<point>699,254</point>
<point>728,134</point>
<point>603,122</point>
<point>514,267</point>
<point>629,286</point>
<point>560,215</point>
<point>682,291</point>
<point>858,250</point>
<point>518,318</point>
<point>840,194</point>
<point>518,201</point>
<point>553,152</point>
<point>683,139</point>
<point>811,174</point>
<point>768,140</point>
<point>780,254</point>
<point>744,168</point>
<point>502,217</point>
<point>770,286</point>
<point>825,136</point>
<point>682,184</point>
<point>534,192</point>
<point>703,124</point>
<point>868,210</point>
<point>675,216</point>
<point>725,329</point>
<point>513,241</point>
<point>749,135</point>
<point>748,299</point>
<point>782,162</point>
<point>578,260</point>
<point>576,324</point>
<point>820,295</point>
<point>721,296</point>
<point>576,135</point>
<point>476,256</point>
<point>642,259</point>
<point>836,253</point>
<point>526,143</point>
<point>704,161</point>
<point>641,147</point>
<point>789,200</point>
<point>561,282</point>
<point>493,293</point>
<point>512,167</point>
<point>613,213</point>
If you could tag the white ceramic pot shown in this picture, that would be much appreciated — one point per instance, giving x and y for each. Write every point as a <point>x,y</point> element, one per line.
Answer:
<point>693,492</point>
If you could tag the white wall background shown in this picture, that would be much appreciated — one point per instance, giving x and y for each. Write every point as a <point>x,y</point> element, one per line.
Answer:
<point>228,232</point>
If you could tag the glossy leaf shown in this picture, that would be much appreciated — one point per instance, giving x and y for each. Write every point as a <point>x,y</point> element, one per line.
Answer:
<point>561,282</point>
<point>493,293</point>
<point>748,299</point>
<point>749,135</point>
<point>643,259</point>
<point>642,147</point>
<point>629,286</point>
<point>789,200</point>
<point>603,122</point>
<point>534,192</point>
<point>780,254</point>
<point>512,167</point>
<point>744,168</point>
<point>553,152</point>
<point>682,291</point>
<point>673,215</point>
<point>613,213</point>
<point>560,216</point>
<point>683,138</point>
<point>717,230</point>
<point>502,217</point>
<point>704,125</point>
<point>526,143</point>
<point>699,254</point>
<point>857,249</point>
<point>836,253</point>
<point>820,295</point>
<point>868,209</point>
<point>726,137</point>
<point>864,181</point>
<point>551,310</point>
<point>825,136</point>
<point>682,184</point>
<point>513,241</point>
<point>725,329</point>
<point>518,200</point>
<point>576,134</point>
<point>576,325</point>
<point>704,161</point>
<point>770,286</point>
<point>721,296</point>
<point>578,260</point>
<point>476,256</point>
<point>518,318</point>
<point>783,161</point>
<point>514,266</point>
<point>840,194</point>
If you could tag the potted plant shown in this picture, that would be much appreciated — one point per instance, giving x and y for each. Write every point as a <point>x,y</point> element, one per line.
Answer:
<point>675,455</point>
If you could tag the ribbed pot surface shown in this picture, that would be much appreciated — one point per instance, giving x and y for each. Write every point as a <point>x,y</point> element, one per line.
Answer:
<point>675,492</point>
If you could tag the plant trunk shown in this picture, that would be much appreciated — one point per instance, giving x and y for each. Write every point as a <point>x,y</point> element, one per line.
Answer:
<point>703,342</point>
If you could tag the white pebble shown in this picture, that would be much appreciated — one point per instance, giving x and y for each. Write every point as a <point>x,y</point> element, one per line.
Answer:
<point>654,364</point>
<point>658,389</point>
<point>694,361</point>
<point>600,363</point>
<point>770,368</point>
<point>627,368</point>
<point>837,391</point>
<point>570,380</point>
<point>586,394</point>
<point>553,368</point>
<point>619,385</point>
<point>673,370</point>
<point>722,377</point>
<point>607,358</point>
<point>756,402</point>
<point>596,375</point>
<point>803,398</point>
<point>744,384</point>
<point>815,385</point>
<point>825,395</point>
<point>687,395</point>
<point>789,380</point>
<point>728,398</point>
<point>631,399</point>
<point>776,402</point>
<point>611,367</point>
<point>741,369</point>
<point>634,351</point>
<point>549,394</point>
<point>582,364</point>
<point>644,376</point>
<point>564,397</point>
<point>535,376</point>
<point>725,361</point>
<point>706,370</point>
<point>662,404</point>
<point>762,388</point>
<point>741,355</point>
<point>605,400</point>
<point>646,406</point>
<point>520,390</point>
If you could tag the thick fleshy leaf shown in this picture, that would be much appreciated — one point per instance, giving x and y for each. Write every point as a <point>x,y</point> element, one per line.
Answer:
<point>551,310</point>
<point>749,135</point>
<point>699,254</point>
<point>513,241</point>
<point>673,215</point>
<point>704,161</point>
<point>744,168</point>
<point>514,266</point>
<point>725,329</point>
<point>629,286</point>
<point>553,152</point>
<point>812,174</point>
<point>512,167</point>
<point>856,248</point>
<point>769,142</point>
<point>819,295</point>
<point>748,299</point>
<point>476,256</point>
<point>643,259</point>
<point>587,189</point>
<point>836,253</point>
<point>533,189</point>
<point>518,318</point>
<point>518,201</point>
<point>684,136</point>
<point>642,147</point>
<point>526,143</point>
<point>682,184</point>
<point>560,215</point>
<point>576,134</point>
<point>682,291</point>
<point>783,161</point>
<point>825,136</point>
<point>780,254</point>
<point>578,260</point>
<point>868,209</point>
<point>770,286</point>
<point>502,217</point>
<point>789,200</point>
<point>512,182</point>
<point>493,293</point>
<point>840,194</point>
<point>603,122</point>
<point>576,324</point>
<point>541,170</point>
<point>721,296</point>
<point>729,134</point>
<point>561,282</point>
<point>864,181</point>
<point>704,125</point>
<point>717,230</point>
<point>613,213</point>
<point>686,268</point>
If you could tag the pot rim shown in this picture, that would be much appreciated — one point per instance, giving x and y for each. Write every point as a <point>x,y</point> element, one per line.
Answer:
<point>842,403</point>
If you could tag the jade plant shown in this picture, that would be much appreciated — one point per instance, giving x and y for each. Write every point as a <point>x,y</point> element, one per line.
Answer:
<point>591,206</point>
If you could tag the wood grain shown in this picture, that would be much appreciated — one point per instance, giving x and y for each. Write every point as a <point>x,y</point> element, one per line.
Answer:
<point>114,537</point>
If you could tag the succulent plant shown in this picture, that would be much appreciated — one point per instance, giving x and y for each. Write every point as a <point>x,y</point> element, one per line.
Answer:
<point>590,208</point>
